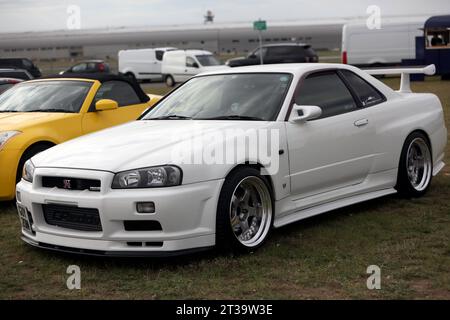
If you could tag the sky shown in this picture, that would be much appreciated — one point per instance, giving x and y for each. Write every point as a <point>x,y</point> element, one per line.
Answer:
<point>40,15</point>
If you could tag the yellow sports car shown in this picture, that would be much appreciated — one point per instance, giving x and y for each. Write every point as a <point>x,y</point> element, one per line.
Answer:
<point>35,115</point>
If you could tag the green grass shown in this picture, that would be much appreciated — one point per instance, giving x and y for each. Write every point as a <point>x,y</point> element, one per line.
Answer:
<point>322,257</point>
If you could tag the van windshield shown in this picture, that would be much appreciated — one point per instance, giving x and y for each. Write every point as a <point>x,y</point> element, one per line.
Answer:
<point>208,60</point>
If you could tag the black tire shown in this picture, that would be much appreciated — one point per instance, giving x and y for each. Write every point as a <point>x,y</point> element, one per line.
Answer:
<point>131,76</point>
<point>28,154</point>
<point>405,186</point>
<point>226,238</point>
<point>170,82</point>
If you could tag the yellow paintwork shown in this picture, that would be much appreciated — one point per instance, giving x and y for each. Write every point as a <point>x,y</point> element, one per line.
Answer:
<point>55,128</point>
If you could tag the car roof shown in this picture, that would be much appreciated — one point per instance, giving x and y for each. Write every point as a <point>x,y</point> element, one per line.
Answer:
<point>93,60</point>
<point>190,51</point>
<point>294,68</point>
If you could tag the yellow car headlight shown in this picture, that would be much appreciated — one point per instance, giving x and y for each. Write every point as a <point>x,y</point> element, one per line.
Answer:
<point>6,135</point>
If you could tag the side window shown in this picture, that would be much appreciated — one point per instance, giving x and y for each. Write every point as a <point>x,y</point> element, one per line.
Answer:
<point>91,66</point>
<point>190,62</point>
<point>367,94</point>
<point>326,90</point>
<point>159,55</point>
<point>257,52</point>
<point>79,67</point>
<point>119,91</point>
<point>280,51</point>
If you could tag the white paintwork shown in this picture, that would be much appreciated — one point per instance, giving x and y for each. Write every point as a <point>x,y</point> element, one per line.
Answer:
<point>174,64</point>
<point>327,164</point>
<point>143,63</point>
<point>394,41</point>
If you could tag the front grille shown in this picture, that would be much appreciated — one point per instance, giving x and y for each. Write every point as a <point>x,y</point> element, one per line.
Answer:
<point>71,183</point>
<point>83,219</point>
<point>142,225</point>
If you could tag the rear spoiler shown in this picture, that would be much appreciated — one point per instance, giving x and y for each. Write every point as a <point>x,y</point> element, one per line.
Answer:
<point>405,82</point>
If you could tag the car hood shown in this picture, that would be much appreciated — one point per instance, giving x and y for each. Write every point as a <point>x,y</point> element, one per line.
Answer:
<point>142,144</point>
<point>21,120</point>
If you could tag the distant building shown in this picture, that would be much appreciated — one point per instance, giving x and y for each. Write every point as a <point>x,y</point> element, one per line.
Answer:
<point>218,38</point>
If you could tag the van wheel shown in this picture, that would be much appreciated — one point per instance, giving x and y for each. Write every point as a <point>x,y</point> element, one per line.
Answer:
<point>415,170</point>
<point>131,76</point>
<point>170,82</point>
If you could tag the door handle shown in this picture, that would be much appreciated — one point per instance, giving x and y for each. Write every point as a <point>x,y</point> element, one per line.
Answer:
<point>361,122</point>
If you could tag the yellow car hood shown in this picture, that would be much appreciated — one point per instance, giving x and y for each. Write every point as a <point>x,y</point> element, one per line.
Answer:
<point>20,120</point>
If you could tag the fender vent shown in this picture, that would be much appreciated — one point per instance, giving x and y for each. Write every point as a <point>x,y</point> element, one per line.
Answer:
<point>142,225</point>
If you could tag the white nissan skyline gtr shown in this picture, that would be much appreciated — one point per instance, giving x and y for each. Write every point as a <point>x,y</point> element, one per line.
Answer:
<point>159,186</point>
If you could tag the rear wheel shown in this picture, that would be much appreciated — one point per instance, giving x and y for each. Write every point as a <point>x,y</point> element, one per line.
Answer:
<point>131,76</point>
<point>245,211</point>
<point>416,166</point>
<point>170,82</point>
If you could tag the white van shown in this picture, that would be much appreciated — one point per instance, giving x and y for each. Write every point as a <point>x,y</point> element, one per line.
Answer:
<point>180,65</point>
<point>142,64</point>
<point>395,41</point>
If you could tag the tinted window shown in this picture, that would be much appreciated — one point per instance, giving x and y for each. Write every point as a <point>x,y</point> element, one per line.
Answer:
<point>79,67</point>
<point>159,55</point>
<point>92,66</point>
<point>368,95</point>
<point>257,52</point>
<point>280,51</point>
<point>14,74</point>
<point>119,91</point>
<point>327,91</point>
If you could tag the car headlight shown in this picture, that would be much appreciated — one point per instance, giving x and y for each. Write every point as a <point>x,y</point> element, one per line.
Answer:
<point>28,171</point>
<point>153,177</point>
<point>6,135</point>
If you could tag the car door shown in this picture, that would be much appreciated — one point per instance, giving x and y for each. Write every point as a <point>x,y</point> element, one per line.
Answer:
<point>335,150</point>
<point>130,106</point>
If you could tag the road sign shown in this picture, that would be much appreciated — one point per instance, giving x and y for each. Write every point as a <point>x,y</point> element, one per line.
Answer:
<point>260,25</point>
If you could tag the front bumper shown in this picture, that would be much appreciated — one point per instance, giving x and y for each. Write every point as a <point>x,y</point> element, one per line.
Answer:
<point>186,213</point>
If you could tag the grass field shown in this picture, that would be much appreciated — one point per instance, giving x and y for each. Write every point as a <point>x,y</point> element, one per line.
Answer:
<point>322,257</point>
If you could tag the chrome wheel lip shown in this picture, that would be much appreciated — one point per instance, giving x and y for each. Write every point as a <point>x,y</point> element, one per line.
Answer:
<point>419,165</point>
<point>265,213</point>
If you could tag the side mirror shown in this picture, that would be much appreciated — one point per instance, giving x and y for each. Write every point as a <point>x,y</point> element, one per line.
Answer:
<point>305,113</point>
<point>195,65</point>
<point>106,104</point>
<point>252,56</point>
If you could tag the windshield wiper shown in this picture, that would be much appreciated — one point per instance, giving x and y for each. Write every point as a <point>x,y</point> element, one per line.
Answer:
<point>49,110</point>
<point>170,117</point>
<point>234,117</point>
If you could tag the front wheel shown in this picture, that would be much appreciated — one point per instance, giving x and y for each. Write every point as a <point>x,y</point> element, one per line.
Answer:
<point>170,82</point>
<point>416,166</point>
<point>245,211</point>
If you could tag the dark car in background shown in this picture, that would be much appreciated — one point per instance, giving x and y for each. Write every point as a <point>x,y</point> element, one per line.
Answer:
<point>21,63</point>
<point>277,53</point>
<point>15,74</point>
<point>89,66</point>
<point>6,83</point>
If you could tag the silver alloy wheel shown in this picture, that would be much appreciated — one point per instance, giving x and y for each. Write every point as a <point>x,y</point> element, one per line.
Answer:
<point>418,164</point>
<point>251,211</point>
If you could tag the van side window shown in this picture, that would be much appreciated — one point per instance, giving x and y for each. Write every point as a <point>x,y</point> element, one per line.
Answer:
<point>367,94</point>
<point>327,91</point>
<point>119,91</point>
<point>159,55</point>
<point>190,62</point>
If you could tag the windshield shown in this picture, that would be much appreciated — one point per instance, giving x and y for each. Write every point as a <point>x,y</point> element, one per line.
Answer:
<point>248,96</point>
<point>208,60</point>
<point>45,96</point>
